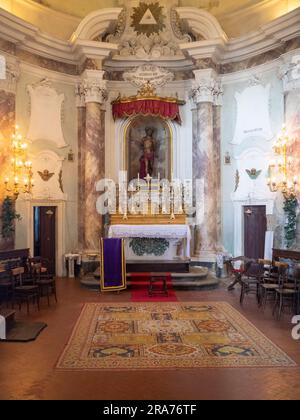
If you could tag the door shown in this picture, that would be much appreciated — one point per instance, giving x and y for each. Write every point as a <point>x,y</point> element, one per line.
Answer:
<point>45,234</point>
<point>255,227</point>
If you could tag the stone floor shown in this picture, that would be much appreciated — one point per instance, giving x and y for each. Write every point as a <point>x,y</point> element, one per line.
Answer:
<point>27,370</point>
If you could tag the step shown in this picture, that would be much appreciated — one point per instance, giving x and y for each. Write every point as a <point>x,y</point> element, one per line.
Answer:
<point>9,316</point>
<point>180,266</point>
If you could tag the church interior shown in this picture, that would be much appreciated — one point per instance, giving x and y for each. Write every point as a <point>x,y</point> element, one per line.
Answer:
<point>149,200</point>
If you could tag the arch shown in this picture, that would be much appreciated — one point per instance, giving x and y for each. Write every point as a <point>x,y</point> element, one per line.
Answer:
<point>120,129</point>
<point>95,24</point>
<point>202,23</point>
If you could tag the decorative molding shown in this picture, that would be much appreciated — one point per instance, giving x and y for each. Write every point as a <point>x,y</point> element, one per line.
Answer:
<point>29,38</point>
<point>95,24</point>
<point>120,29</point>
<point>221,50</point>
<point>177,27</point>
<point>202,23</point>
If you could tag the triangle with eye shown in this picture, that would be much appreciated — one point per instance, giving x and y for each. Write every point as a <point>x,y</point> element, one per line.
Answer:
<point>148,18</point>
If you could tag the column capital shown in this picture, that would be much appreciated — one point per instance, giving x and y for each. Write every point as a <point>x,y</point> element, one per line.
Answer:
<point>11,72</point>
<point>289,73</point>
<point>207,87</point>
<point>93,88</point>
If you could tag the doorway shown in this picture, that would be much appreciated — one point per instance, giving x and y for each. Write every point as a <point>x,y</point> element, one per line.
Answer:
<point>255,227</point>
<point>44,234</point>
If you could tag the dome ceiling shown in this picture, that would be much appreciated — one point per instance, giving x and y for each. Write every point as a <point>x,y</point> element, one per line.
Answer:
<point>81,8</point>
<point>237,17</point>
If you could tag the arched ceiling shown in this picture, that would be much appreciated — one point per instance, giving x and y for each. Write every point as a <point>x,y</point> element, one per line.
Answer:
<point>237,17</point>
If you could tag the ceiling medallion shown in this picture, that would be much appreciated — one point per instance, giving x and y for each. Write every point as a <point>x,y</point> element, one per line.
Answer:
<point>148,19</point>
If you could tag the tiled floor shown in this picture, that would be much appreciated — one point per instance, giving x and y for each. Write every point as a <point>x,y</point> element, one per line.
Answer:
<point>27,370</point>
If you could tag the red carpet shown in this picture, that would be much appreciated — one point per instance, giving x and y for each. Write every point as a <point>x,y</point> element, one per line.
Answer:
<point>140,287</point>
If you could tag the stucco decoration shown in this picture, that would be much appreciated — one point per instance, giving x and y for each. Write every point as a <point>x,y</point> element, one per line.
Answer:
<point>290,73</point>
<point>149,32</point>
<point>47,188</point>
<point>253,113</point>
<point>252,186</point>
<point>46,114</point>
<point>157,76</point>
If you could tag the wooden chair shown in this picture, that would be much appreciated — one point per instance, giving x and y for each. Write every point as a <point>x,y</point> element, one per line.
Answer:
<point>270,283</point>
<point>234,272</point>
<point>6,286</point>
<point>24,293</point>
<point>45,280</point>
<point>287,294</point>
<point>251,280</point>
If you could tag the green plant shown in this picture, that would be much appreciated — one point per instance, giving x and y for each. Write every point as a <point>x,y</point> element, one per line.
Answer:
<point>290,229</point>
<point>9,216</point>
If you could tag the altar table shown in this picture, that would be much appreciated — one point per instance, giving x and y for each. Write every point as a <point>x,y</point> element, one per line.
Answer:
<point>71,259</point>
<point>169,232</point>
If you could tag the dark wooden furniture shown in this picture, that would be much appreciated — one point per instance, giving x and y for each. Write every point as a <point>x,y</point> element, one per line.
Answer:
<point>20,255</point>
<point>44,279</point>
<point>251,280</point>
<point>287,293</point>
<point>156,278</point>
<point>9,260</point>
<point>287,254</point>
<point>234,272</point>
<point>24,293</point>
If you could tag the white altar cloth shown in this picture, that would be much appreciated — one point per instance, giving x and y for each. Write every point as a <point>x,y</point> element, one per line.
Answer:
<point>153,231</point>
<point>2,328</point>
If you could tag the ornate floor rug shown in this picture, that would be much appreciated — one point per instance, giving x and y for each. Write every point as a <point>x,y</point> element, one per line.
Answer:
<point>167,335</point>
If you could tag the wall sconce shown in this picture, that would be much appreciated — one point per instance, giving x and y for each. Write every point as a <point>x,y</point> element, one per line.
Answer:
<point>71,157</point>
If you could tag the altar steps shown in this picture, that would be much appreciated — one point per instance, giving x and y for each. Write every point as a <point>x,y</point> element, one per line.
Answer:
<point>198,278</point>
<point>158,266</point>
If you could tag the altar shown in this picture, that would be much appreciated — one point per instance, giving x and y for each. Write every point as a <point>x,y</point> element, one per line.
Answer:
<point>162,242</point>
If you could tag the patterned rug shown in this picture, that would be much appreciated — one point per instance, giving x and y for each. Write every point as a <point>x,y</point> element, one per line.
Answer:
<point>167,335</point>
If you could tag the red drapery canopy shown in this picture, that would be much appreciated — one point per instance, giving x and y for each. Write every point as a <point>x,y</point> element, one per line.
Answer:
<point>165,109</point>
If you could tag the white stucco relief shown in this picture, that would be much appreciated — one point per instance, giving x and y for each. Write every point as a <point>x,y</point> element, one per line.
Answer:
<point>46,114</point>
<point>253,114</point>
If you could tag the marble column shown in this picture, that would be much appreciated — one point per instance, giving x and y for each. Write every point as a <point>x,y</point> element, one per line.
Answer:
<point>93,159</point>
<point>81,121</point>
<point>206,165</point>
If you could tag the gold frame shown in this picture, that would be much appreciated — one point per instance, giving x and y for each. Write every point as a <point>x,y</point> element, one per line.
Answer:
<point>125,142</point>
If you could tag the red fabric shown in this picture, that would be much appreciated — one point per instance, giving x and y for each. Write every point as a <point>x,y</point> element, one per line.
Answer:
<point>163,109</point>
<point>140,289</point>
